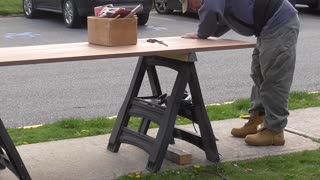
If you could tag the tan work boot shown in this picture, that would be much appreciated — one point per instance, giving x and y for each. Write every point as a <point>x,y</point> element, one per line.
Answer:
<point>250,127</point>
<point>265,137</point>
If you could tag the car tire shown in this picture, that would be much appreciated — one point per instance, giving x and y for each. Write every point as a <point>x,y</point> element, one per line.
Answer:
<point>143,18</point>
<point>313,5</point>
<point>71,17</point>
<point>28,9</point>
<point>161,6</point>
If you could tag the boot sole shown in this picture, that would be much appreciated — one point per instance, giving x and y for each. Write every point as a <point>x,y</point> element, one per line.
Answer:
<point>242,136</point>
<point>280,143</point>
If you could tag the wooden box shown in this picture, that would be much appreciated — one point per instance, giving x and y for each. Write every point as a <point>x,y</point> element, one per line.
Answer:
<point>111,31</point>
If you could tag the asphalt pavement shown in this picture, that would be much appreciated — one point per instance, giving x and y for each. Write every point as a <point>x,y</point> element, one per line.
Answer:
<point>87,158</point>
<point>46,93</point>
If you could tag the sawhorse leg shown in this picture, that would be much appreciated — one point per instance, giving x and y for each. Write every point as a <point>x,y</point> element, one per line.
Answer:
<point>202,119</point>
<point>166,128</point>
<point>9,156</point>
<point>156,92</point>
<point>123,116</point>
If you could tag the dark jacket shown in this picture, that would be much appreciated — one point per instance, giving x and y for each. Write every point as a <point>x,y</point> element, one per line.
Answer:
<point>219,16</point>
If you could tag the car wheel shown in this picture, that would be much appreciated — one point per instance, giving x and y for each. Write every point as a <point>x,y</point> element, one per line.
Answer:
<point>70,14</point>
<point>28,9</point>
<point>143,18</point>
<point>313,5</point>
<point>161,7</point>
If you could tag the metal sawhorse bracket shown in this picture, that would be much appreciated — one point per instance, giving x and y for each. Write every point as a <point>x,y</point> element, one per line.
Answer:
<point>164,116</point>
<point>9,156</point>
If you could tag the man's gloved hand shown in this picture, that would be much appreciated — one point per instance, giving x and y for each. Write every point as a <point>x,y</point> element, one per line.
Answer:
<point>190,36</point>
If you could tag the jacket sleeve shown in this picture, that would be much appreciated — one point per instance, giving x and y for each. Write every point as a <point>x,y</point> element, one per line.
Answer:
<point>211,19</point>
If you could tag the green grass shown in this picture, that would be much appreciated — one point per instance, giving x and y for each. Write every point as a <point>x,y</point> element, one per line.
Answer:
<point>302,165</point>
<point>75,128</point>
<point>10,7</point>
<point>296,166</point>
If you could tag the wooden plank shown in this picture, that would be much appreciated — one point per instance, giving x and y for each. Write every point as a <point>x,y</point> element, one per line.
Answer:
<point>178,156</point>
<point>84,51</point>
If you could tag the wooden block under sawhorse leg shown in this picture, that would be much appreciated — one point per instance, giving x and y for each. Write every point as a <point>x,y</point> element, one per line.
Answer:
<point>178,156</point>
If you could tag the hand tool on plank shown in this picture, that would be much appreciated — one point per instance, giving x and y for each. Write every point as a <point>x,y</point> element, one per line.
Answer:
<point>150,40</point>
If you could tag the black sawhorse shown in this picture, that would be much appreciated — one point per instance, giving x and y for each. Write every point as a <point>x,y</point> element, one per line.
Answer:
<point>9,156</point>
<point>163,115</point>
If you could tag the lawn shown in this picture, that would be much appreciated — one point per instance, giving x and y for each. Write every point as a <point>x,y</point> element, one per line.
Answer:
<point>296,166</point>
<point>8,7</point>
<point>76,127</point>
<point>302,165</point>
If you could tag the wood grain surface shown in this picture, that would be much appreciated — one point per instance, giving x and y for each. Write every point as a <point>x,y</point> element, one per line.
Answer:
<point>84,51</point>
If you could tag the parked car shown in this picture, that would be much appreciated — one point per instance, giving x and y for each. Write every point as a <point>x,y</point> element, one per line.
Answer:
<point>168,6</point>
<point>75,11</point>
<point>314,4</point>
